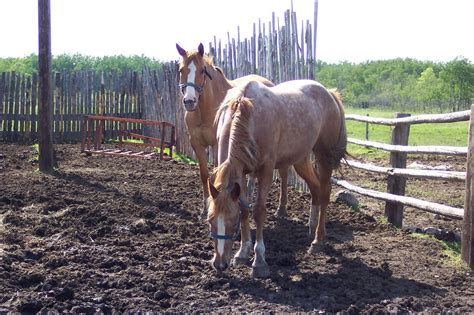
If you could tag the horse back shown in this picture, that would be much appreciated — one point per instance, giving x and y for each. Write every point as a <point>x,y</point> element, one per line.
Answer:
<point>249,78</point>
<point>296,117</point>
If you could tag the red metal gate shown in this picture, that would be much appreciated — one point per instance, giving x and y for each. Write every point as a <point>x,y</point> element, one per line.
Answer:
<point>122,135</point>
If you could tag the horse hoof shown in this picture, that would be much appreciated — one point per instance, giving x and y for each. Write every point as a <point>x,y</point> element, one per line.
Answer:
<point>315,248</point>
<point>261,272</point>
<point>241,261</point>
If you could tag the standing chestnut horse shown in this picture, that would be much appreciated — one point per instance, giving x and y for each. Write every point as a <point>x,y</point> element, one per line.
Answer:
<point>261,129</point>
<point>204,87</point>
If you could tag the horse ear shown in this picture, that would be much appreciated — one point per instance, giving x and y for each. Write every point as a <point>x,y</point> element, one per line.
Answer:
<point>181,51</point>
<point>214,192</point>
<point>201,49</point>
<point>235,193</point>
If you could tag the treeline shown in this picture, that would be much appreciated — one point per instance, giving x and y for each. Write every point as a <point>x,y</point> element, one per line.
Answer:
<point>77,62</point>
<point>401,84</point>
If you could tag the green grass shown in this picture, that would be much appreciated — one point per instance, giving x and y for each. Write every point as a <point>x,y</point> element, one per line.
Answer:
<point>451,250</point>
<point>444,134</point>
<point>177,156</point>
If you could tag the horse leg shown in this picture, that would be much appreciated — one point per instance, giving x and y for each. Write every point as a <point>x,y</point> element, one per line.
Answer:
<point>204,173</point>
<point>281,212</point>
<point>324,172</point>
<point>214,155</point>
<point>242,257</point>
<point>250,188</point>
<point>307,172</point>
<point>259,266</point>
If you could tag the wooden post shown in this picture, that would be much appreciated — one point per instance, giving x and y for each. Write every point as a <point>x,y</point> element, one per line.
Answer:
<point>467,237</point>
<point>45,110</point>
<point>396,184</point>
<point>315,34</point>
<point>367,129</point>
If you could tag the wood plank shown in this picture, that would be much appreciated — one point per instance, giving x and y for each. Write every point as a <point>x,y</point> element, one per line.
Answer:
<point>16,108</point>
<point>28,108</point>
<point>2,106</point>
<point>22,109</point>
<point>34,106</point>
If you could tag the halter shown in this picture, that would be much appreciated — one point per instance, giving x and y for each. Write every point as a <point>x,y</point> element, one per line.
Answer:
<point>198,88</point>
<point>229,237</point>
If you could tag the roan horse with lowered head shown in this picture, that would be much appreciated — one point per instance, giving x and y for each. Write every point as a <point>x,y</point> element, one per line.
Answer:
<point>261,129</point>
<point>204,87</point>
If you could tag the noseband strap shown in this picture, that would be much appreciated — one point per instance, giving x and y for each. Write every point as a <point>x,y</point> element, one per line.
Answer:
<point>198,88</point>
<point>216,236</point>
<point>221,237</point>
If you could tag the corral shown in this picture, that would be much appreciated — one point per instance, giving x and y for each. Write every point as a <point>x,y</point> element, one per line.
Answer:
<point>100,236</point>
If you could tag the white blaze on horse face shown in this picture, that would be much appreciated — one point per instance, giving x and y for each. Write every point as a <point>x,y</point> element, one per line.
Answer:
<point>220,231</point>
<point>190,92</point>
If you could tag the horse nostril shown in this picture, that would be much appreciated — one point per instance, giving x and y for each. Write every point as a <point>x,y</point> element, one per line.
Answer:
<point>189,101</point>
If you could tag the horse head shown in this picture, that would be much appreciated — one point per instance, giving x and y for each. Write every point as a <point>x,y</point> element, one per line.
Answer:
<point>192,75</point>
<point>224,221</point>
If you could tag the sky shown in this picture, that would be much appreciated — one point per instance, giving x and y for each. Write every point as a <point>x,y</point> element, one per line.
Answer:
<point>347,30</point>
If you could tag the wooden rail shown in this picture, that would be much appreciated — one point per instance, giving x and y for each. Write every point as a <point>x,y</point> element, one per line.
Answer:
<point>394,197</point>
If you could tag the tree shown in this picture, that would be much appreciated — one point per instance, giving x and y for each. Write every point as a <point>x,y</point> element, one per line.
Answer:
<point>458,76</point>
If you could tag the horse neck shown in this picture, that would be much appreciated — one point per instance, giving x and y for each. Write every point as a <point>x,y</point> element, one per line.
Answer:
<point>214,93</point>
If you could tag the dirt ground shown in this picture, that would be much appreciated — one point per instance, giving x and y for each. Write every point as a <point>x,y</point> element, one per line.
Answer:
<point>107,235</point>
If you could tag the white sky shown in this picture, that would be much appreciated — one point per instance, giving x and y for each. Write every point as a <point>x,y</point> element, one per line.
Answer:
<point>348,30</point>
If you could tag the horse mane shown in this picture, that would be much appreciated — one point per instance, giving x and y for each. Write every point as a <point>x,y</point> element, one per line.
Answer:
<point>222,176</point>
<point>243,150</point>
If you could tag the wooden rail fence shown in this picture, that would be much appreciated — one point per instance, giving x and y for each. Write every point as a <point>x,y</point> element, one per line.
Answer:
<point>149,94</point>
<point>397,173</point>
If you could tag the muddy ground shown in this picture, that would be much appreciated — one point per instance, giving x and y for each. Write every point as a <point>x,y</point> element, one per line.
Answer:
<point>107,235</point>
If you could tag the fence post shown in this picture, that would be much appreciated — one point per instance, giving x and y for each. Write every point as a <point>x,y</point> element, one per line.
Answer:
<point>396,184</point>
<point>467,237</point>
<point>367,129</point>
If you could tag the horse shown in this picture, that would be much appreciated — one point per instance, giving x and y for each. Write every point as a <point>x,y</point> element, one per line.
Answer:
<point>204,86</point>
<point>260,129</point>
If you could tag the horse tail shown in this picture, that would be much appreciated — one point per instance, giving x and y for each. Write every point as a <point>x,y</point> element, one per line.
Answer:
<point>339,150</point>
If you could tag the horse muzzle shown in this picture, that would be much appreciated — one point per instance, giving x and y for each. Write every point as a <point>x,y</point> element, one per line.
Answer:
<point>220,266</point>
<point>190,104</point>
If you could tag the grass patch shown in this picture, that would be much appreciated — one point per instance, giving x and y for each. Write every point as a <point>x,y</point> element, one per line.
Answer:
<point>451,250</point>
<point>382,219</point>
<point>177,156</point>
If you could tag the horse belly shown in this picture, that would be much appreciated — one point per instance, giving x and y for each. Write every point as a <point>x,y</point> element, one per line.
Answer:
<point>292,155</point>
